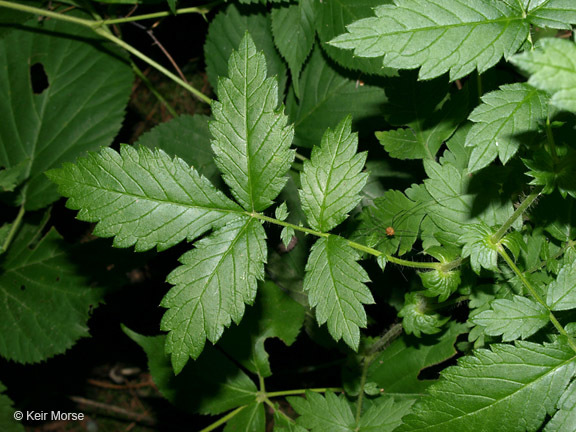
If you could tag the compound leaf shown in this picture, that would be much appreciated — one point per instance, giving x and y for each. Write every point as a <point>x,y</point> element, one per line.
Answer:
<point>328,413</point>
<point>229,386</point>
<point>501,119</point>
<point>293,30</point>
<point>552,68</point>
<point>142,197</point>
<point>45,301</point>
<point>385,415</point>
<point>251,139</point>
<point>213,284</point>
<point>81,109</point>
<point>335,285</point>
<point>513,319</point>
<point>510,387</point>
<point>332,179</point>
<point>438,35</point>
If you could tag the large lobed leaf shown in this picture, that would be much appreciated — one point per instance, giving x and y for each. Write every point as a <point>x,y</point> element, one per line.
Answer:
<point>332,179</point>
<point>510,387</point>
<point>251,137</point>
<point>142,198</point>
<point>213,284</point>
<point>438,35</point>
<point>335,285</point>
<point>81,109</point>
<point>552,68</point>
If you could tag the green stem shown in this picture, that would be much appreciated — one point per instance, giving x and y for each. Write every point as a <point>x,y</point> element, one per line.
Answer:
<point>262,385</point>
<point>535,294</point>
<point>223,420</point>
<point>153,90</point>
<point>13,229</point>
<point>550,139</point>
<point>102,31</point>
<point>271,405</point>
<point>201,10</point>
<point>384,341</point>
<point>517,213</point>
<point>302,391</point>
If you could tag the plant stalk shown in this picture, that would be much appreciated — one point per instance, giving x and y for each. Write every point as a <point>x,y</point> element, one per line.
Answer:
<point>223,420</point>
<point>517,213</point>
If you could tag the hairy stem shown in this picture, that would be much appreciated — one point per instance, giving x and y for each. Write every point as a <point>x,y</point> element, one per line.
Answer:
<point>517,213</point>
<point>502,252</point>
<point>13,229</point>
<point>302,391</point>
<point>153,90</point>
<point>200,10</point>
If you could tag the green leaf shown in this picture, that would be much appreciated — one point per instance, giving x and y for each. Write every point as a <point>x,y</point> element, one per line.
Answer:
<point>565,418</point>
<point>385,415</point>
<point>250,419</point>
<point>397,368</point>
<point>12,177</point>
<point>418,317</point>
<point>319,413</point>
<point>429,112</point>
<point>225,34</point>
<point>274,315</point>
<point>7,422</point>
<point>45,301</point>
<point>558,14</point>
<point>479,247</point>
<point>332,17</point>
<point>449,35</point>
<point>81,109</point>
<point>513,319</point>
<point>332,179</point>
<point>187,137</point>
<point>251,139</point>
<point>293,30</point>
<point>552,69</point>
<point>440,283</point>
<point>216,279</point>
<point>330,97</point>
<point>562,291</point>
<point>509,388</point>
<point>143,198</point>
<point>335,285</point>
<point>212,384</point>
<point>502,121</point>
<point>553,171</point>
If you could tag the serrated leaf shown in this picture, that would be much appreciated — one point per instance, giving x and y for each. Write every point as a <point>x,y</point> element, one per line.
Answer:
<point>12,177</point>
<point>565,418</point>
<point>281,212</point>
<point>336,289</point>
<point>501,122</point>
<point>513,319</point>
<point>510,387</point>
<point>552,69</point>
<point>81,109</point>
<point>187,137</point>
<point>438,36</point>
<point>562,291</point>
<point>45,301</point>
<point>224,35</point>
<point>332,179</point>
<point>229,386</point>
<point>558,14</point>
<point>142,198</point>
<point>385,415</point>
<point>216,279</point>
<point>250,419</point>
<point>274,315</point>
<point>7,422</point>
<point>479,247</point>
<point>330,97</point>
<point>418,317</point>
<point>332,18</point>
<point>328,413</point>
<point>439,283</point>
<point>553,171</point>
<point>251,137</point>
<point>293,30</point>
